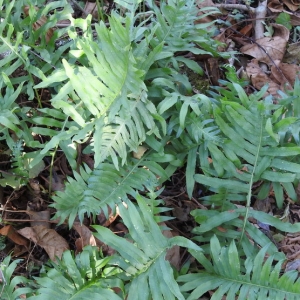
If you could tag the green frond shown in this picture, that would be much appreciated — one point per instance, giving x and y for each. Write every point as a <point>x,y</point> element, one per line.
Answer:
<point>250,152</point>
<point>89,192</point>
<point>230,276</point>
<point>85,276</point>
<point>108,88</point>
<point>144,260</point>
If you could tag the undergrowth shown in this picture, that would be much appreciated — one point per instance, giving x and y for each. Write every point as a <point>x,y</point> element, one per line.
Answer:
<point>115,87</point>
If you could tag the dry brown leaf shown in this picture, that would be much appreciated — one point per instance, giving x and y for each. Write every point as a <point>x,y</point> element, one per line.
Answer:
<point>286,78</point>
<point>49,239</point>
<point>14,236</point>
<point>259,78</point>
<point>275,6</point>
<point>103,221</point>
<point>40,218</point>
<point>295,18</point>
<point>86,237</point>
<point>202,4</point>
<point>91,8</point>
<point>292,55</point>
<point>293,5</point>
<point>39,23</point>
<point>274,46</point>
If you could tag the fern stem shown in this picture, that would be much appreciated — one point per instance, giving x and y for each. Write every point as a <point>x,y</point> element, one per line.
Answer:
<point>51,170</point>
<point>251,183</point>
<point>100,13</point>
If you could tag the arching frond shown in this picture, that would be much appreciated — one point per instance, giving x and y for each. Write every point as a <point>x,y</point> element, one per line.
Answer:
<point>144,260</point>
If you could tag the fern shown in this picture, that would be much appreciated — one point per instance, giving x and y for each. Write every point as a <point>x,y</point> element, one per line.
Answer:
<point>230,276</point>
<point>250,152</point>
<point>85,276</point>
<point>144,261</point>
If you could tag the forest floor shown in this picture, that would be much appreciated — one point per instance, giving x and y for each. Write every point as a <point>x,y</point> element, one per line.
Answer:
<point>266,38</point>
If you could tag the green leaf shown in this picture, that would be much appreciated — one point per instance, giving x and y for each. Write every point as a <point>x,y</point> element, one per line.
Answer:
<point>284,19</point>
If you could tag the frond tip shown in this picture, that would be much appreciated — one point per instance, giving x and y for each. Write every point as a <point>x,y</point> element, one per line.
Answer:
<point>254,279</point>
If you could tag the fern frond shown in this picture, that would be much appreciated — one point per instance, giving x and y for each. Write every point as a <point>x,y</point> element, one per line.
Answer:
<point>88,192</point>
<point>229,276</point>
<point>249,153</point>
<point>152,276</point>
<point>108,87</point>
<point>80,277</point>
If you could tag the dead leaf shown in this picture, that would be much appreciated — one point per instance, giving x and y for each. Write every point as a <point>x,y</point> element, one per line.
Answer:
<point>13,235</point>
<point>271,47</point>
<point>103,221</point>
<point>140,152</point>
<point>292,55</point>
<point>275,6</point>
<point>40,218</point>
<point>39,23</point>
<point>286,78</point>
<point>49,239</point>
<point>259,78</point>
<point>204,4</point>
<point>293,265</point>
<point>91,8</point>
<point>293,5</point>
<point>86,237</point>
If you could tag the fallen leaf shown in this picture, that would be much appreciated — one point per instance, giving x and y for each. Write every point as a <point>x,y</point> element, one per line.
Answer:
<point>14,236</point>
<point>271,48</point>
<point>39,23</point>
<point>104,221</point>
<point>259,78</point>
<point>40,218</point>
<point>49,239</point>
<point>293,5</point>
<point>86,237</point>
<point>292,55</point>
<point>277,6</point>
<point>173,254</point>
<point>287,75</point>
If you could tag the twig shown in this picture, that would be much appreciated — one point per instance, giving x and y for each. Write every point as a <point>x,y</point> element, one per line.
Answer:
<point>235,6</point>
